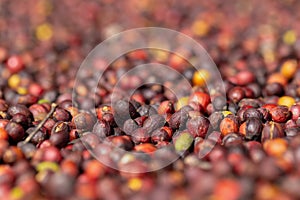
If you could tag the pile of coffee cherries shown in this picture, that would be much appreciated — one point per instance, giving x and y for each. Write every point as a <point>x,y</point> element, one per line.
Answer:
<point>164,141</point>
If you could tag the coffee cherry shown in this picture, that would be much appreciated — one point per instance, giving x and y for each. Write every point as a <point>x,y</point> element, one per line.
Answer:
<point>273,89</point>
<point>271,131</point>
<point>102,129</point>
<point>3,134</point>
<point>286,101</point>
<point>201,77</point>
<point>130,125</point>
<point>183,141</point>
<point>21,119</point>
<point>201,98</point>
<point>251,129</point>
<point>219,103</point>
<point>38,111</point>
<point>60,134</point>
<point>165,107</point>
<point>280,114</point>
<point>12,155</point>
<point>236,94</point>
<point>60,185</point>
<point>228,125</point>
<point>15,131</point>
<point>198,126</point>
<point>140,135</point>
<point>123,142</point>
<point>83,121</point>
<point>154,122</point>
<point>289,68</point>
<point>276,147</point>
<point>179,118</point>
<point>19,108</point>
<point>61,115</point>
<point>15,64</point>
<point>295,110</point>
<point>145,148</point>
<point>252,113</point>
<point>232,139</point>
<point>161,134</point>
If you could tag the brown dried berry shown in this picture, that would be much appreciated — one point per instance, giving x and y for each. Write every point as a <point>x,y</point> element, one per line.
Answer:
<point>18,108</point>
<point>84,121</point>
<point>21,119</point>
<point>198,126</point>
<point>140,135</point>
<point>154,122</point>
<point>242,110</point>
<point>215,119</point>
<point>179,118</point>
<point>219,103</point>
<point>102,129</point>
<point>252,113</point>
<point>232,139</point>
<point>60,134</point>
<point>203,147</point>
<point>124,110</point>
<point>160,135</point>
<point>272,130</point>
<point>15,131</point>
<point>129,126</point>
<point>251,129</point>
<point>38,137</point>
<point>61,115</point>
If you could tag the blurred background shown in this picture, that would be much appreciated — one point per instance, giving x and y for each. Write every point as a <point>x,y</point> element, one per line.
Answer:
<point>75,24</point>
<point>47,33</point>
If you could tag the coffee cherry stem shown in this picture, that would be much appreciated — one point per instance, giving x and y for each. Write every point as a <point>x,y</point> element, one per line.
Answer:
<point>30,136</point>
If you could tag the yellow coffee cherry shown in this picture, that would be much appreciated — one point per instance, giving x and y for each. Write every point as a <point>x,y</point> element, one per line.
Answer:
<point>289,68</point>
<point>183,101</point>
<point>47,165</point>
<point>201,77</point>
<point>135,184</point>
<point>14,81</point>
<point>225,113</point>
<point>16,193</point>
<point>22,90</point>
<point>290,37</point>
<point>286,101</point>
<point>200,28</point>
<point>44,32</point>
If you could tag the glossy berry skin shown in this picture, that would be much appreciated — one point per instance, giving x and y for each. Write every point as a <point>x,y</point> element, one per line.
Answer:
<point>15,131</point>
<point>236,94</point>
<point>295,110</point>
<point>15,64</point>
<point>200,97</point>
<point>272,130</point>
<point>251,129</point>
<point>280,114</point>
